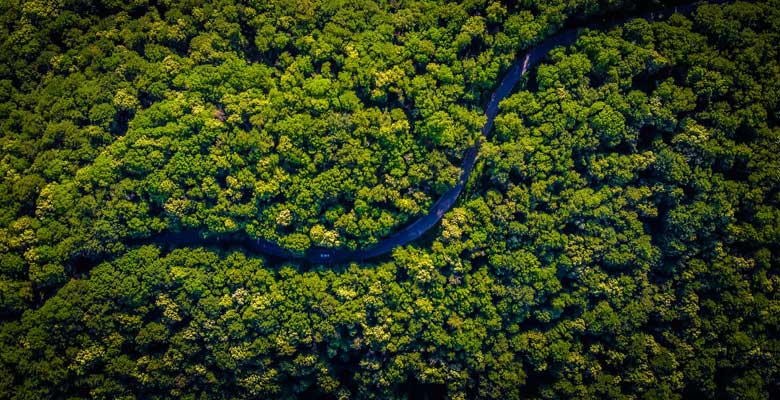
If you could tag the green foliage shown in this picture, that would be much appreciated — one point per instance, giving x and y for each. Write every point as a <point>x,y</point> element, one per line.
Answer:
<point>618,238</point>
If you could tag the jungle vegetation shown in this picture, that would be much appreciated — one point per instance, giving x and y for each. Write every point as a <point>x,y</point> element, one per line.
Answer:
<point>618,238</point>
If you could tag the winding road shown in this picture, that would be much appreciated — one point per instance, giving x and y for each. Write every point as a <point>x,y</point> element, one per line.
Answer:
<point>319,255</point>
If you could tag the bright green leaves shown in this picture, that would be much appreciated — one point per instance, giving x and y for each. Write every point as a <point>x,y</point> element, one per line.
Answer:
<point>608,124</point>
<point>523,28</point>
<point>126,99</point>
<point>568,71</point>
<point>298,243</point>
<point>618,169</point>
<point>617,238</point>
<point>668,101</point>
<point>473,29</point>
<point>452,129</point>
<point>323,237</point>
<point>442,130</point>
<point>634,183</point>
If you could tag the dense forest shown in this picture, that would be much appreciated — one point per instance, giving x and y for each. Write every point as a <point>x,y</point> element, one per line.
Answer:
<point>619,236</point>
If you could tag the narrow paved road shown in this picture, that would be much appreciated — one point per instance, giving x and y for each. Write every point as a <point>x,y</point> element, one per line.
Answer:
<point>413,231</point>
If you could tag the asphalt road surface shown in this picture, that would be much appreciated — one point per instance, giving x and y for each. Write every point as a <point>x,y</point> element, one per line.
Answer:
<point>319,255</point>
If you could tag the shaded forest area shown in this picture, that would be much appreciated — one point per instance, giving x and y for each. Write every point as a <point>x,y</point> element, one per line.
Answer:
<point>619,237</point>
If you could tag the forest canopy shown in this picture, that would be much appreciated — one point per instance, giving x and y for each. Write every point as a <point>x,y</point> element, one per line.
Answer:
<point>619,236</point>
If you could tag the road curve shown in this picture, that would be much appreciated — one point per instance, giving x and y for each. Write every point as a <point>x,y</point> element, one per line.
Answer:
<point>319,255</point>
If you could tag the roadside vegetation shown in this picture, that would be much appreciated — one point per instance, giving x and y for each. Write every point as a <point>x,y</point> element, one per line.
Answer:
<point>619,237</point>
